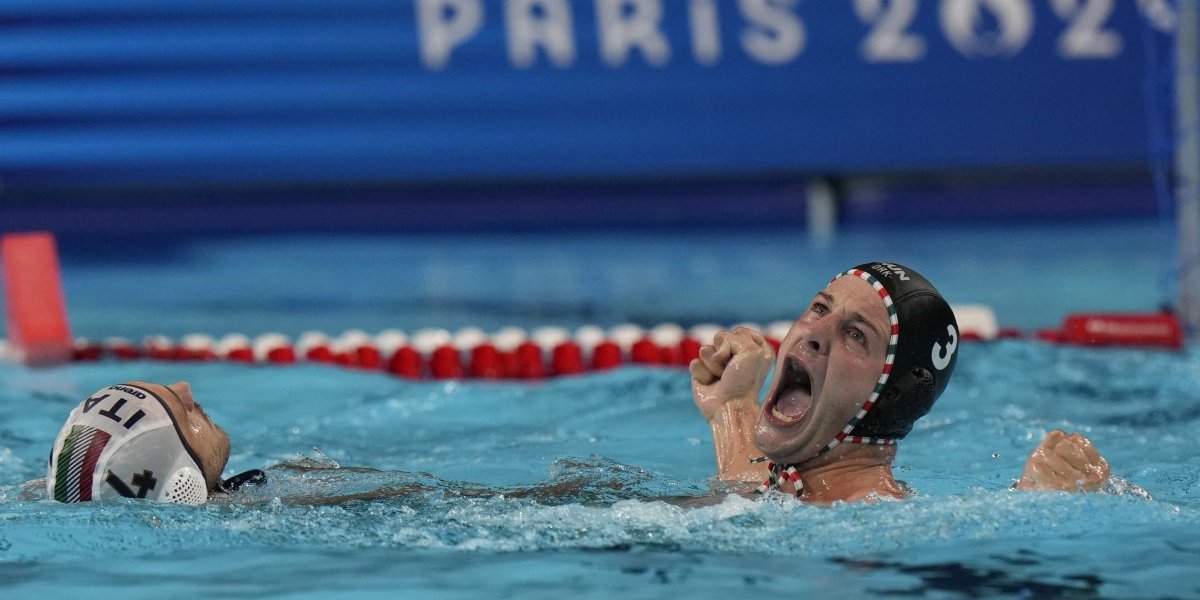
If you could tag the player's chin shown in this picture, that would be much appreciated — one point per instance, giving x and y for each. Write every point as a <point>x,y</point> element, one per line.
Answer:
<point>783,445</point>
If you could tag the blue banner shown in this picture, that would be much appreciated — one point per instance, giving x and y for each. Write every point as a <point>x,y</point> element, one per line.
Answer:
<point>304,91</point>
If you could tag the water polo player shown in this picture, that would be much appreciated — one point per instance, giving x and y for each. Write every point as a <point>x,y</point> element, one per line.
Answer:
<point>140,440</point>
<point>144,440</point>
<point>869,357</point>
<point>150,441</point>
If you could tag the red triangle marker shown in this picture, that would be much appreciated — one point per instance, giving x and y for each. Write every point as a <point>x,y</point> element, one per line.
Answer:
<point>35,311</point>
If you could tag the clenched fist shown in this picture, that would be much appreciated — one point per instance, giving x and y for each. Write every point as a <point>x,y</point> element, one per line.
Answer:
<point>1066,463</point>
<point>732,368</point>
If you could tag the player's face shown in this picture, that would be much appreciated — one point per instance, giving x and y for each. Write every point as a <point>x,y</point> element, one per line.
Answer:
<point>827,367</point>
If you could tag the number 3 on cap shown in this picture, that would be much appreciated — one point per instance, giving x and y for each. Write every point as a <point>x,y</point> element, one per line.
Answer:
<point>941,356</point>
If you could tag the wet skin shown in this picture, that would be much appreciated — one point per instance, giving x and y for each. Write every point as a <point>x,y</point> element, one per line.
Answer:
<point>207,439</point>
<point>826,369</point>
<point>1065,462</point>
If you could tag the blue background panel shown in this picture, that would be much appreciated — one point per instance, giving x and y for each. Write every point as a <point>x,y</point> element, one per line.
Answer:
<point>300,91</point>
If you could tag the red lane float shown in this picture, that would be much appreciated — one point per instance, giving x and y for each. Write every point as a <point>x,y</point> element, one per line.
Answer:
<point>485,362</point>
<point>235,347</point>
<point>84,350</point>
<point>315,346</point>
<point>567,359</point>
<point>606,355</point>
<point>274,348</point>
<point>197,346</point>
<point>121,348</point>
<point>1137,330</point>
<point>405,363</point>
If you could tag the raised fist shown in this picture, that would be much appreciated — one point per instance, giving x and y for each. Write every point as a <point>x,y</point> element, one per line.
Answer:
<point>1066,463</point>
<point>731,368</point>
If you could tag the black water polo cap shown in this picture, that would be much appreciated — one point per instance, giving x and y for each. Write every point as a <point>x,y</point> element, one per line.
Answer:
<point>921,355</point>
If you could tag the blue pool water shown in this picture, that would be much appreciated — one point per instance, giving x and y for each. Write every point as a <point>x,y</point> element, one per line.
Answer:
<point>603,449</point>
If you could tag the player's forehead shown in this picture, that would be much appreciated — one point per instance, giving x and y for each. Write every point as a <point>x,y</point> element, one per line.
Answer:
<point>857,294</point>
<point>153,387</point>
<point>168,397</point>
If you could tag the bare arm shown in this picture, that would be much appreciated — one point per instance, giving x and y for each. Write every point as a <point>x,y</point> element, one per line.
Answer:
<point>726,380</point>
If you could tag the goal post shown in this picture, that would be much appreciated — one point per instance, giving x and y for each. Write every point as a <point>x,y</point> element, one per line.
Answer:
<point>1187,160</point>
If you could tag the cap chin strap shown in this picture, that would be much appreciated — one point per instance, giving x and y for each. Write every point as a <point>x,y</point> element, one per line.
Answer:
<point>253,477</point>
<point>778,474</point>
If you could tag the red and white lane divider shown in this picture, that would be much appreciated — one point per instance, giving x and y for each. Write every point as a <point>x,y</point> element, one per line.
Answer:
<point>514,353</point>
<point>510,353</point>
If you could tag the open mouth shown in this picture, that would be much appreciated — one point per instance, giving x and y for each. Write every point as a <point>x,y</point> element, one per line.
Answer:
<point>792,396</point>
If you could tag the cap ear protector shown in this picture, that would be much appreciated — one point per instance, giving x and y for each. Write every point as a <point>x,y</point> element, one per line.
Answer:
<point>921,354</point>
<point>122,441</point>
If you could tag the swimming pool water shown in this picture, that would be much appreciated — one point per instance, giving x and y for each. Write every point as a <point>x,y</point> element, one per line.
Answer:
<point>604,447</point>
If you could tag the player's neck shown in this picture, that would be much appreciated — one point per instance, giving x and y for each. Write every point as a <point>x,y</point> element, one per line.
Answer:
<point>851,473</point>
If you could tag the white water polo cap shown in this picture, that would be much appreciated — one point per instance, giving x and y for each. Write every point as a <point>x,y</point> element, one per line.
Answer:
<point>122,441</point>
